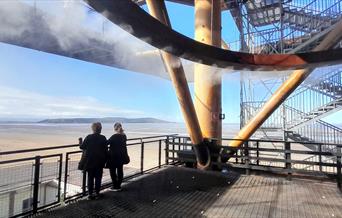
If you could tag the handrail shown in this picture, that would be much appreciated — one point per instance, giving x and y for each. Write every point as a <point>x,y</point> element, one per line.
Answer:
<point>62,169</point>
<point>38,149</point>
<point>268,141</point>
<point>73,145</point>
<point>150,137</point>
<point>321,23</point>
<point>252,156</point>
<point>316,81</point>
<point>273,43</point>
<point>322,92</point>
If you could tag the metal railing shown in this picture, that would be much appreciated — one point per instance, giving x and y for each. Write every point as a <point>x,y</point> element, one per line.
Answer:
<point>315,100</point>
<point>251,108</point>
<point>321,132</point>
<point>317,97</point>
<point>317,6</point>
<point>305,128</point>
<point>31,184</point>
<point>279,27</point>
<point>25,180</point>
<point>35,181</point>
<point>289,158</point>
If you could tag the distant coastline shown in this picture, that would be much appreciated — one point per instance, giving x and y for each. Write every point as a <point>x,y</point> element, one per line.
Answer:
<point>104,120</point>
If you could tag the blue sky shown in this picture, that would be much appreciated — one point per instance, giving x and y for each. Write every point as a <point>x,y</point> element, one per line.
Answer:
<point>36,85</point>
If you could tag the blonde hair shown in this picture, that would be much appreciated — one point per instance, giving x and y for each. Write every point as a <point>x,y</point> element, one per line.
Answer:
<point>96,127</point>
<point>118,128</point>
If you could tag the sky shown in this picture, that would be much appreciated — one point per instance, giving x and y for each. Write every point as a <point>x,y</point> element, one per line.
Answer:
<point>36,85</point>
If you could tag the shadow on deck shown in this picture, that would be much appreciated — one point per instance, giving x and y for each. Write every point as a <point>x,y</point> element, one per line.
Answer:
<point>182,192</point>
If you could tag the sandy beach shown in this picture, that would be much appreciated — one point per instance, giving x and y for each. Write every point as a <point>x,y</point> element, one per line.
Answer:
<point>24,136</point>
<point>27,136</point>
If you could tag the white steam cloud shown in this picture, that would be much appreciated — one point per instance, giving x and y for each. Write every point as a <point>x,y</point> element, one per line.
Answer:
<point>76,29</point>
<point>71,23</point>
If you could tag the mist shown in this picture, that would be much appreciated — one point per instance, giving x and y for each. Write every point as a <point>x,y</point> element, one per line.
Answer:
<point>72,29</point>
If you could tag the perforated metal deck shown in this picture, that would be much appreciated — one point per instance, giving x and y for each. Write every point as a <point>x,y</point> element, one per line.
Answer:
<point>182,192</point>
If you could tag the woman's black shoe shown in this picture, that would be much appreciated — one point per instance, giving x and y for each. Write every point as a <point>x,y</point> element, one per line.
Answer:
<point>98,195</point>
<point>91,197</point>
<point>115,189</point>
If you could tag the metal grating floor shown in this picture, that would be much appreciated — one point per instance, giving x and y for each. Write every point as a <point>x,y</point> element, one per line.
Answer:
<point>182,192</point>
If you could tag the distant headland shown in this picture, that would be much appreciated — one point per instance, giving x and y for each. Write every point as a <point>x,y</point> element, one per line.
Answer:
<point>104,120</point>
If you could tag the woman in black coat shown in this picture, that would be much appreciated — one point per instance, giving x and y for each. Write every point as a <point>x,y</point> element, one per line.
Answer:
<point>118,156</point>
<point>95,148</point>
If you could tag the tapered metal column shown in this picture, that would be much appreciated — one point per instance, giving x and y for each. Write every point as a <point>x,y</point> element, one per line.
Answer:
<point>296,78</point>
<point>175,69</point>
<point>207,81</point>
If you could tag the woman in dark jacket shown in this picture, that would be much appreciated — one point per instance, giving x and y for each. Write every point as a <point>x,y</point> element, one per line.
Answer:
<point>95,147</point>
<point>118,156</point>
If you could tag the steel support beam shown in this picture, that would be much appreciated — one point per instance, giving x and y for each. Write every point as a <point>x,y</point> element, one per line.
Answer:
<point>295,79</point>
<point>175,69</point>
<point>207,81</point>
<point>130,17</point>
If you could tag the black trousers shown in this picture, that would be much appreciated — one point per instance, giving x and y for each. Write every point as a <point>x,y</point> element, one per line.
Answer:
<point>94,175</point>
<point>116,173</point>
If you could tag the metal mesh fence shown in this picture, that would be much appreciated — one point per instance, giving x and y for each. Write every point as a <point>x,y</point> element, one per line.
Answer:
<point>50,176</point>
<point>16,187</point>
<point>73,178</point>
